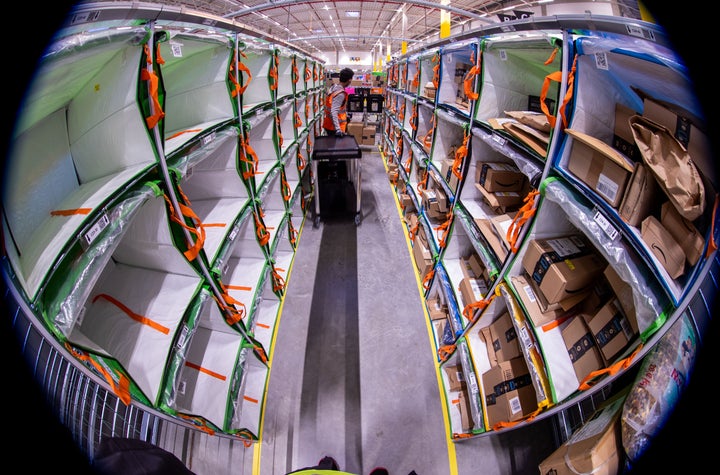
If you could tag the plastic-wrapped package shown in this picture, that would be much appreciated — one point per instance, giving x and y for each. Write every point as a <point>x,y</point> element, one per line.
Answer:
<point>663,376</point>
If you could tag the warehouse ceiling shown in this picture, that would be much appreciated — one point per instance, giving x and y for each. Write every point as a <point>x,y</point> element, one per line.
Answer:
<point>325,28</point>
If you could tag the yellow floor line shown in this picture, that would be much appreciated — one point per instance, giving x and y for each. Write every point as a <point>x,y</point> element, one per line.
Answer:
<point>443,400</point>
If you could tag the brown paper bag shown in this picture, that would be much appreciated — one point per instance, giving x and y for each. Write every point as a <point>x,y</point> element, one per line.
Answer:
<point>670,162</point>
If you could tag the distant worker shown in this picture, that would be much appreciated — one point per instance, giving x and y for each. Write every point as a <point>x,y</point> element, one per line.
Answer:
<point>335,121</point>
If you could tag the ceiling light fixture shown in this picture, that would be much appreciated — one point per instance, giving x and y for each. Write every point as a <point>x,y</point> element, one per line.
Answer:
<point>352,14</point>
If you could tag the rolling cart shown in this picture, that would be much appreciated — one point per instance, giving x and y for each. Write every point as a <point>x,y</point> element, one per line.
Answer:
<point>336,161</point>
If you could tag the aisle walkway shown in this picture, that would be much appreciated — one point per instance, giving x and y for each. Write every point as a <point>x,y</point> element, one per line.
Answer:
<point>352,374</point>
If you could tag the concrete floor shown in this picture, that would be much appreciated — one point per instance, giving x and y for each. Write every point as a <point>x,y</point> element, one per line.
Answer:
<point>353,372</point>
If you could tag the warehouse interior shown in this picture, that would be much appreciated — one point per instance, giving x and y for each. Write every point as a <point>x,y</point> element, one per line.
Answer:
<point>348,389</point>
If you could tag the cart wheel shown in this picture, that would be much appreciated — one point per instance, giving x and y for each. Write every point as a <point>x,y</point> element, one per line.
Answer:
<point>357,219</point>
<point>316,222</point>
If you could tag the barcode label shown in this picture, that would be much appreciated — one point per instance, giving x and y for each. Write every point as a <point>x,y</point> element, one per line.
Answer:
<point>515,406</point>
<point>233,233</point>
<point>607,187</point>
<point>498,139</point>
<point>503,55</point>
<point>529,292</point>
<point>96,229</point>
<point>634,30</point>
<point>208,138</point>
<point>601,61</point>
<point>176,49</point>
<point>605,225</point>
<point>472,382</point>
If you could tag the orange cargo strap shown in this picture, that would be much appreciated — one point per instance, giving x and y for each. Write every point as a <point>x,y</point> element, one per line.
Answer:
<point>480,304</point>
<point>231,76</point>
<point>152,79</point>
<point>413,117</point>
<point>278,128</point>
<point>307,110</point>
<point>428,277</point>
<point>246,438</point>
<point>422,184</point>
<point>444,228</point>
<point>198,231</point>
<point>202,369</point>
<point>158,57</point>
<point>261,353</point>
<point>70,212</point>
<point>408,162</point>
<point>292,232</point>
<point>469,76</point>
<point>401,114</point>
<point>137,317</point>
<point>295,72</point>
<point>273,75</point>
<point>526,211</point>
<point>278,281</point>
<point>301,161</point>
<point>121,389</point>
<point>242,67</point>
<point>557,76</point>
<point>298,120</point>
<point>624,363</point>
<point>307,74</point>
<point>202,425</point>
<point>228,304</point>
<point>285,187</point>
<point>506,424</point>
<point>460,154</point>
<point>262,234</point>
<point>416,79</point>
<point>445,351</point>
<point>436,71</point>
<point>252,161</point>
<point>412,232</point>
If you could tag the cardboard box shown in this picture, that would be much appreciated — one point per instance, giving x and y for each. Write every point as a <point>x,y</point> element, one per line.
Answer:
<point>498,244</point>
<point>440,327</point>
<point>683,231</point>
<point>486,337</point>
<point>407,202</point>
<point>509,393</point>
<point>355,129</point>
<point>477,268</point>
<point>504,338</point>
<point>529,298</point>
<point>422,255</point>
<point>687,130</point>
<point>623,140</point>
<point>602,168</point>
<point>562,267</point>
<point>624,294</point>
<point>663,246</point>
<point>611,329</point>
<point>640,195</point>
<point>436,309</point>
<point>499,176</point>
<point>465,411</point>
<point>472,290</point>
<point>500,201</point>
<point>455,376</point>
<point>447,173</point>
<point>581,347</point>
<point>595,448</point>
<point>368,136</point>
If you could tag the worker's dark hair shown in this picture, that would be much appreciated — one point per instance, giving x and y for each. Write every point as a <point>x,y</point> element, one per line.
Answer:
<point>346,74</point>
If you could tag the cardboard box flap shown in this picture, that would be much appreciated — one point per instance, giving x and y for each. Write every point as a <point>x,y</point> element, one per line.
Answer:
<point>603,148</point>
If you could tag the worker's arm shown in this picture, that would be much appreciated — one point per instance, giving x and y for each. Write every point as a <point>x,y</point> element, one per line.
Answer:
<point>337,102</point>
